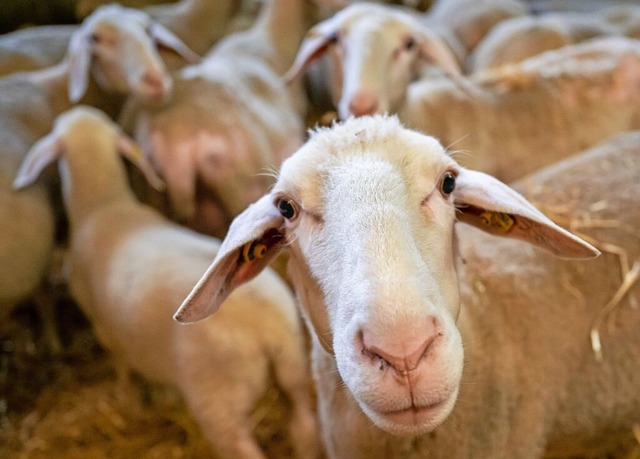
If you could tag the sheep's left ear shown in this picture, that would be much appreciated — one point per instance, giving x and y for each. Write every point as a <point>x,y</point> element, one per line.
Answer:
<point>79,59</point>
<point>436,51</point>
<point>167,38</point>
<point>44,152</point>
<point>253,239</point>
<point>492,206</point>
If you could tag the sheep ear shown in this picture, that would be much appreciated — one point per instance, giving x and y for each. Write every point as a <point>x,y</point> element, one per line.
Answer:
<point>44,152</point>
<point>79,58</point>
<point>314,45</point>
<point>167,38</point>
<point>436,51</point>
<point>492,206</point>
<point>133,153</point>
<point>253,239</point>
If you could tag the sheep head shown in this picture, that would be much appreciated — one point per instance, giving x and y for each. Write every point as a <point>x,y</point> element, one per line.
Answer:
<point>375,52</point>
<point>367,210</point>
<point>119,47</point>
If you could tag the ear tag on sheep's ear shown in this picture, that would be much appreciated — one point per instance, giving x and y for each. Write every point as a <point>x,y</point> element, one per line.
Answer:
<point>500,221</point>
<point>253,250</point>
<point>256,250</point>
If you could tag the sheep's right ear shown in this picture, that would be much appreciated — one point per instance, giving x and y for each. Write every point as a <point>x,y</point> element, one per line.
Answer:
<point>130,150</point>
<point>79,59</point>
<point>253,239</point>
<point>313,47</point>
<point>44,152</point>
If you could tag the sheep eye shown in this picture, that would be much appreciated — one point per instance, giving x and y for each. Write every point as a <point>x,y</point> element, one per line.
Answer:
<point>286,208</point>
<point>410,43</point>
<point>448,183</point>
<point>94,38</point>
<point>333,38</point>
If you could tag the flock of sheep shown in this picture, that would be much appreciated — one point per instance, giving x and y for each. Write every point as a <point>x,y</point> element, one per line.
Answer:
<point>447,314</point>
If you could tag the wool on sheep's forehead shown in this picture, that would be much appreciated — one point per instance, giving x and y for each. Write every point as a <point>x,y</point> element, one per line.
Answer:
<point>420,159</point>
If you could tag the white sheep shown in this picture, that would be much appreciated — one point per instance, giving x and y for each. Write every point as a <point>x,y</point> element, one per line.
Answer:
<point>197,23</point>
<point>231,121</point>
<point>472,20</point>
<point>111,53</point>
<point>129,267</point>
<point>516,39</point>
<point>34,48</point>
<point>393,291</point>
<point>374,52</point>
<point>519,118</point>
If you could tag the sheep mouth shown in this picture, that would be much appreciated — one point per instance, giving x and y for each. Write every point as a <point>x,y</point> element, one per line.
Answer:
<point>415,419</point>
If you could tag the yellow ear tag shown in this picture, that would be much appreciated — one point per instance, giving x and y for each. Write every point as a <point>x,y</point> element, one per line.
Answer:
<point>253,250</point>
<point>499,220</point>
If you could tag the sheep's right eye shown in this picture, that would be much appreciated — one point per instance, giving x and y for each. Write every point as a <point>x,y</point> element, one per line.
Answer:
<point>286,208</point>
<point>94,38</point>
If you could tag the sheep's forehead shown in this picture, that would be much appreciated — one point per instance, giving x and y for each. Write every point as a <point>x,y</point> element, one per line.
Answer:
<point>416,159</point>
<point>373,22</point>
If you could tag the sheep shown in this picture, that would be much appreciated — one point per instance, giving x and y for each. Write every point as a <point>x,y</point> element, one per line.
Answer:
<point>230,121</point>
<point>516,39</point>
<point>375,51</point>
<point>33,48</point>
<point>471,20</point>
<point>197,23</point>
<point>128,267</point>
<point>515,119</point>
<point>113,47</point>
<point>409,311</point>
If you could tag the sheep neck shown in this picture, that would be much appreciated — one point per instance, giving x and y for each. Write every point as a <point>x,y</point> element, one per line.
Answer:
<point>84,192</point>
<point>283,22</point>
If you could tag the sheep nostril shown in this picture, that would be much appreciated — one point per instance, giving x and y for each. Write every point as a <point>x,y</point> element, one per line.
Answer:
<point>402,354</point>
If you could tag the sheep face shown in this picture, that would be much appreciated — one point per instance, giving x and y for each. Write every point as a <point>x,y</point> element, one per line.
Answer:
<point>367,210</point>
<point>375,52</point>
<point>379,243</point>
<point>118,47</point>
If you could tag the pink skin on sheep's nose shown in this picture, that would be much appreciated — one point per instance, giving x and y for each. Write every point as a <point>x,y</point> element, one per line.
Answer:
<point>155,86</point>
<point>363,103</point>
<point>404,349</point>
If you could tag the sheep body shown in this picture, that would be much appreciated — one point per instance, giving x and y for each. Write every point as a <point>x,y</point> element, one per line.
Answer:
<point>519,118</point>
<point>471,21</point>
<point>231,120</point>
<point>128,267</point>
<point>514,40</point>
<point>380,266</point>
<point>33,48</point>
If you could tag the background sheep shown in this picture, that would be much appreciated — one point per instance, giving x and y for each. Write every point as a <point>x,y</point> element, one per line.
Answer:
<point>516,39</point>
<point>128,267</point>
<point>110,54</point>
<point>472,20</point>
<point>522,117</point>
<point>374,52</point>
<point>230,122</point>
<point>377,204</point>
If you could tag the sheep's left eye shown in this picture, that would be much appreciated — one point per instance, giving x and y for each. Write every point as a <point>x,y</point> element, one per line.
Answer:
<point>286,208</point>
<point>448,183</point>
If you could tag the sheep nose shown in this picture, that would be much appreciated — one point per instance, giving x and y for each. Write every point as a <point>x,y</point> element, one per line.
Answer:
<point>363,103</point>
<point>155,85</point>
<point>402,349</point>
